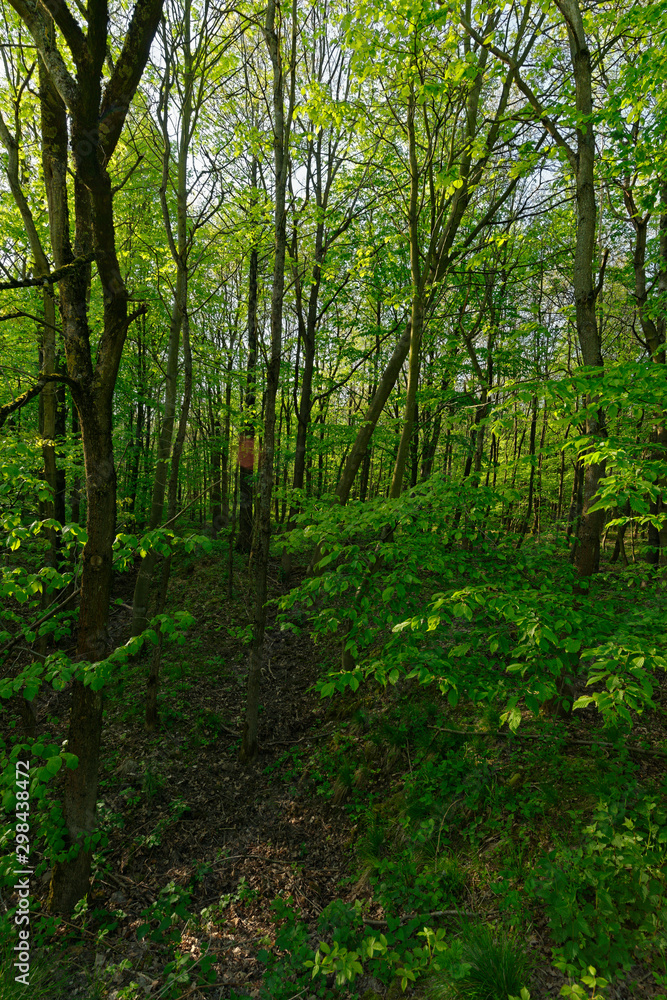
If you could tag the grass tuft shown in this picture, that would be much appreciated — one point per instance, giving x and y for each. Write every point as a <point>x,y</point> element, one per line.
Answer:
<point>491,966</point>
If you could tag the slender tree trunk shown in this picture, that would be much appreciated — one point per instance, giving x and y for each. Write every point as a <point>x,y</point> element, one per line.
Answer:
<point>307,332</point>
<point>619,545</point>
<point>531,456</point>
<point>144,579</point>
<point>654,334</point>
<point>179,253</point>
<point>561,480</point>
<point>216,461</point>
<point>538,502</point>
<point>54,164</point>
<point>572,511</point>
<point>368,457</point>
<point>417,316</point>
<point>226,434</point>
<point>137,448</point>
<point>172,496</point>
<point>246,455</point>
<point>431,447</point>
<point>281,131</point>
<point>372,415</point>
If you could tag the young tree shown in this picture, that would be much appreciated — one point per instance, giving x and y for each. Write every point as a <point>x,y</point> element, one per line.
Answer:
<point>188,78</point>
<point>18,79</point>
<point>283,105</point>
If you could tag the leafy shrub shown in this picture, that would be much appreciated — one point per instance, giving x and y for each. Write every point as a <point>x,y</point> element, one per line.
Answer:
<point>606,897</point>
<point>286,974</point>
<point>340,921</point>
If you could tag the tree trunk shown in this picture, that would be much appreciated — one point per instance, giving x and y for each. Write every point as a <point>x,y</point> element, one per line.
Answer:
<point>372,415</point>
<point>587,558</point>
<point>216,461</point>
<point>654,335</point>
<point>246,456</point>
<point>54,163</point>
<point>70,879</point>
<point>281,131</point>
<point>137,448</point>
<point>538,503</point>
<point>96,117</point>
<point>142,587</point>
<point>179,246</point>
<point>531,455</point>
<point>154,672</point>
<point>226,433</point>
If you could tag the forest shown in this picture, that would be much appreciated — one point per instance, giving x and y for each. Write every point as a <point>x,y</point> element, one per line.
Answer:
<point>333,482</point>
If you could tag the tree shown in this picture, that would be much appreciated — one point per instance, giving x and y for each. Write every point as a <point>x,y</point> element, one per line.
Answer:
<point>283,106</point>
<point>581,160</point>
<point>189,70</point>
<point>90,109</point>
<point>12,141</point>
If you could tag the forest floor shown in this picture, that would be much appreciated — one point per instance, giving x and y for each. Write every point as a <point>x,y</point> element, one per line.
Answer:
<point>179,806</point>
<point>200,845</point>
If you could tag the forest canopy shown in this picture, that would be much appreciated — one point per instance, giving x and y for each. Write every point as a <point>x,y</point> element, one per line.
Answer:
<point>367,304</point>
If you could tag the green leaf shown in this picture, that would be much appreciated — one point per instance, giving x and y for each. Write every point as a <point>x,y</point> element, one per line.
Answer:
<point>460,650</point>
<point>583,701</point>
<point>54,764</point>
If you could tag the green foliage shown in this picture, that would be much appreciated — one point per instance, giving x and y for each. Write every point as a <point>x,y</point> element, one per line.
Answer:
<point>631,475</point>
<point>394,955</point>
<point>242,894</point>
<point>31,800</point>
<point>341,922</point>
<point>596,984</point>
<point>184,971</point>
<point>286,962</point>
<point>162,916</point>
<point>488,964</point>
<point>515,615</point>
<point>606,896</point>
<point>628,684</point>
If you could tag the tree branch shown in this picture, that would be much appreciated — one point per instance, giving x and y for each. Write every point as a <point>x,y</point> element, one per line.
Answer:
<point>72,32</point>
<point>47,279</point>
<point>36,22</point>
<point>603,268</point>
<point>21,314</point>
<point>127,73</point>
<point>34,390</point>
<point>547,122</point>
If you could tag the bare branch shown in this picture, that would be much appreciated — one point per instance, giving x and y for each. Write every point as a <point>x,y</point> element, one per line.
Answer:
<point>547,122</point>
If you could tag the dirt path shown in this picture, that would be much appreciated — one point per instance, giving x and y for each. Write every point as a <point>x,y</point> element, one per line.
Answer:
<point>180,806</point>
